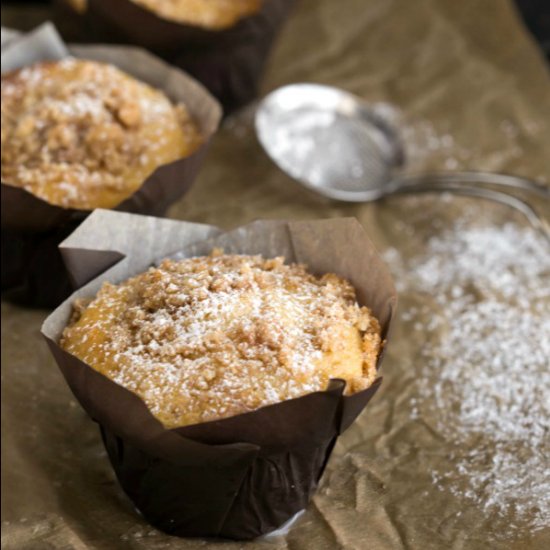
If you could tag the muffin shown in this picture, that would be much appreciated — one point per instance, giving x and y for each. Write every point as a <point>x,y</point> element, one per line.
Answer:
<point>107,136</point>
<point>216,336</point>
<point>221,383</point>
<point>83,134</point>
<point>208,14</point>
<point>222,43</point>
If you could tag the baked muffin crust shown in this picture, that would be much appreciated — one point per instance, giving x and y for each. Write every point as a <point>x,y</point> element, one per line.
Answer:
<point>83,134</point>
<point>210,337</point>
<point>210,14</point>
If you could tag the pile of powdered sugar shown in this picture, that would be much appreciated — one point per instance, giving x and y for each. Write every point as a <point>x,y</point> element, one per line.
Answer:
<point>484,375</point>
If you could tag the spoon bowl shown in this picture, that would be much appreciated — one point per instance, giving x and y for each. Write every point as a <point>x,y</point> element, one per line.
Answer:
<point>329,140</point>
<point>335,144</point>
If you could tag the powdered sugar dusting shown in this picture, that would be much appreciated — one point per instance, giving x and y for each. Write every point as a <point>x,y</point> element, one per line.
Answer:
<point>484,375</point>
<point>205,338</point>
<point>83,134</point>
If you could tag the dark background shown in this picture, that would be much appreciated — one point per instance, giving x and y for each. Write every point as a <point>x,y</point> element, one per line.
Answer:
<point>535,14</point>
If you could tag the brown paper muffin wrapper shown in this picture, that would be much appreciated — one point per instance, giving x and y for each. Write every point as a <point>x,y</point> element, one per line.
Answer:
<point>239,477</point>
<point>228,62</point>
<point>32,269</point>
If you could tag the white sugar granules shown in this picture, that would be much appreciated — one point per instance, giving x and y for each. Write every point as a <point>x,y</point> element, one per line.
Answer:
<point>204,338</point>
<point>483,373</point>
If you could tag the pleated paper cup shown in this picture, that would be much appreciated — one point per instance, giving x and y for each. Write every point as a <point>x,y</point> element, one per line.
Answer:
<point>239,477</point>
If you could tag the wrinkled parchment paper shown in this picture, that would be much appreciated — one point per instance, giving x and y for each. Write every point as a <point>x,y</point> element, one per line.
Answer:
<point>465,69</point>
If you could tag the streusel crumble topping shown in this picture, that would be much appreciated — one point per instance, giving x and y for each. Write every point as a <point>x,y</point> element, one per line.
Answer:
<point>83,134</point>
<point>210,337</point>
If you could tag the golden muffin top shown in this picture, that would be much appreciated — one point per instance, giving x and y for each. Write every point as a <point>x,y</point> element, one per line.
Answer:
<point>78,5</point>
<point>210,14</point>
<point>210,337</point>
<point>83,134</point>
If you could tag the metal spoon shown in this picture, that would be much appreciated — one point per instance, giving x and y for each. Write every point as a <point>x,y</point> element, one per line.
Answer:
<point>336,145</point>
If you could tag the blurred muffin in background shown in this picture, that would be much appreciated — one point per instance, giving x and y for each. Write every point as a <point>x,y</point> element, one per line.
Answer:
<point>224,44</point>
<point>210,14</point>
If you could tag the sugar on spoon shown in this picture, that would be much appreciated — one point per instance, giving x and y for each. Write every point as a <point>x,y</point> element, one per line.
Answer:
<point>335,144</point>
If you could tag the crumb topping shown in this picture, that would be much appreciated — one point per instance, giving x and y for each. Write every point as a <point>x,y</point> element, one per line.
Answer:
<point>83,134</point>
<point>211,14</point>
<point>210,337</point>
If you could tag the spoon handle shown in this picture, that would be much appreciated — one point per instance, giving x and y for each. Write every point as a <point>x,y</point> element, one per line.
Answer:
<point>422,185</point>
<point>472,177</point>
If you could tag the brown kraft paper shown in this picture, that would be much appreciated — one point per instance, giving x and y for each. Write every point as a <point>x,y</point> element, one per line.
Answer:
<point>239,477</point>
<point>33,271</point>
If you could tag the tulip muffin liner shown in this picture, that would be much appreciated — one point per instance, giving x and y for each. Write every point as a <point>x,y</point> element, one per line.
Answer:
<point>229,62</point>
<point>32,269</point>
<point>239,477</point>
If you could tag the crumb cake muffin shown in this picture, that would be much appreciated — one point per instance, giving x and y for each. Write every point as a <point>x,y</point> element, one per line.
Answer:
<point>83,134</point>
<point>209,14</point>
<point>206,338</point>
